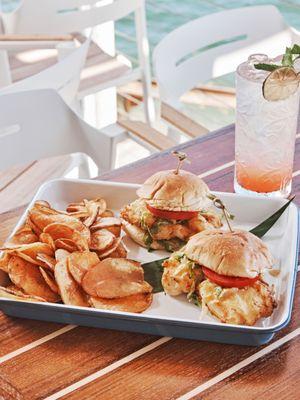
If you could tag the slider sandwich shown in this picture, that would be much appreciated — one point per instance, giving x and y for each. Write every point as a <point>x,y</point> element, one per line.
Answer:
<point>223,271</point>
<point>172,206</point>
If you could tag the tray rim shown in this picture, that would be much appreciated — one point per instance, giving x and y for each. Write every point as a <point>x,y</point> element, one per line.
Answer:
<point>145,318</point>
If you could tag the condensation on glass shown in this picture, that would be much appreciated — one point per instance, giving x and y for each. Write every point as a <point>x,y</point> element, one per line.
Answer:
<point>264,136</point>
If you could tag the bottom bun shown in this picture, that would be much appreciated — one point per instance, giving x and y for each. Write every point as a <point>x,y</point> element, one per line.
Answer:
<point>137,234</point>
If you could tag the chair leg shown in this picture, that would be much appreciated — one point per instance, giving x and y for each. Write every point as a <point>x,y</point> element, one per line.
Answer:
<point>87,168</point>
<point>5,74</point>
<point>143,52</point>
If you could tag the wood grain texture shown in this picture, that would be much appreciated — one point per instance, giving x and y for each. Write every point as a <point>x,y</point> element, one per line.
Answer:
<point>147,134</point>
<point>170,370</point>
<point>275,376</point>
<point>178,367</point>
<point>68,358</point>
<point>182,122</point>
<point>204,154</point>
<point>22,188</point>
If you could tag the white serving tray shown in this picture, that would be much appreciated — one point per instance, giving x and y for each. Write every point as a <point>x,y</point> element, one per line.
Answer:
<point>168,314</point>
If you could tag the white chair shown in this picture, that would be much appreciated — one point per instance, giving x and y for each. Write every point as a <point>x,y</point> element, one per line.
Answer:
<point>39,124</point>
<point>54,17</point>
<point>64,76</point>
<point>212,46</point>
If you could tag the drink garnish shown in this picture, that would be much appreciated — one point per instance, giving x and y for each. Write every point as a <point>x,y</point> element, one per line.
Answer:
<point>283,80</point>
<point>280,84</point>
<point>182,157</point>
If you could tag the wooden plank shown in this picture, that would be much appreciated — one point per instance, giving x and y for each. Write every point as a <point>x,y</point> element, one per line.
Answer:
<point>68,358</point>
<point>276,376</point>
<point>170,370</point>
<point>9,175</point>
<point>147,134</point>
<point>99,68</point>
<point>21,190</point>
<point>176,368</point>
<point>36,37</point>
<point>155,375</point>
<point>181,121</point>
<point>204,153</point>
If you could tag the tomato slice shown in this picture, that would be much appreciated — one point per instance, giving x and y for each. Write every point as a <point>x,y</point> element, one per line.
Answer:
<point>228,281</point>
<point>172,214</point>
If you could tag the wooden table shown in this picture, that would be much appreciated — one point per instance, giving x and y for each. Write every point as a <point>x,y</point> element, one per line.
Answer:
<point>46,360</point>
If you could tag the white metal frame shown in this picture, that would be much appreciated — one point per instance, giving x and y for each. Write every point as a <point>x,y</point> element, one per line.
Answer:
<point>185,57</point>
<point>66,16</point>
<point>64,76</point>
<point>39,124</point>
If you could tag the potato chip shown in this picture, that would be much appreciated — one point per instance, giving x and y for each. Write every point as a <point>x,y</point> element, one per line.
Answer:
<point>42,219</point>
<point>135,303</point>
<point>14,289</point>
<point>49,279</point>
<point>62,231</point>
<point>119,252</point>
<point>66,244</point>
<point>29,251</point>
<point>4,259</point>
<point>77,208</point>
<point>111,249</point>
<point>112,224</point>
<point>61,254</point>
<point>71,293</point>
<point>114,288</point>
<point>107,213</point>
<point>24,235</point>
<point>42,203</point>
<point>46,238</point>
<point>93,210</point>
<point>99,202</point>
<point>80,262</point>
<point>113,269</point>
<point>28,277</point>
<point>101,240</point>
<point>46,261</point>
<point>33,226</point>
<point>8,294</point>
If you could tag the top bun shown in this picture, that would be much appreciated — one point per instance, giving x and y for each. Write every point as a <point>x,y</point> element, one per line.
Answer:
<point>238,253</point>
<point>167,190</point>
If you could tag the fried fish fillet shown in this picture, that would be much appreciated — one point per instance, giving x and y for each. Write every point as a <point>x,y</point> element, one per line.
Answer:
<point>241,306</point>
<point>180,274</point>
<point>137,214</point>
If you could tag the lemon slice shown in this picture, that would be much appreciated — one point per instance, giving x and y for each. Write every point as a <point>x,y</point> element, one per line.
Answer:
<point>280,84</point>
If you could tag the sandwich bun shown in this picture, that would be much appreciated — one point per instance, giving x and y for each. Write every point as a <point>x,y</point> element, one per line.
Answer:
<point>137,234</point>
<point>167,190</point>
<point>238,253</point>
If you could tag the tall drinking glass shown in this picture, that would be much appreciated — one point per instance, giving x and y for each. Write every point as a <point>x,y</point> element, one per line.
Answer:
<point>264,136</point>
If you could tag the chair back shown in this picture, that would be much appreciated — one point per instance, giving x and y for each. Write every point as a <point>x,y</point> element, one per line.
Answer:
<point>39,124</point>
<point>55,17</point>
<point>64,76</point>
<point>215,45</point>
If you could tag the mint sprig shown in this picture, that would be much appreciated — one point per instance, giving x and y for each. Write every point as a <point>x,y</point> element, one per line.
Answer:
<point>266,67</point>
<point>288,59</point>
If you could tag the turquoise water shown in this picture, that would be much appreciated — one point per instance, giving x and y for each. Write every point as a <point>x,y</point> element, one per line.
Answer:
<point>165,15</point>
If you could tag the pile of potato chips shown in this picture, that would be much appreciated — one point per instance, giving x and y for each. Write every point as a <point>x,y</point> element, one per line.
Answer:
<point>75,256</point>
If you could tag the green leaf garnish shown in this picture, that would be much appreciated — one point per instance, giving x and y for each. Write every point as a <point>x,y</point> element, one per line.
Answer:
<point>261,229</point>
<point>295,49</point>
<point>266,67</point>
<point>153,270</point>
<point>288,59</point>
<point>153,273</point>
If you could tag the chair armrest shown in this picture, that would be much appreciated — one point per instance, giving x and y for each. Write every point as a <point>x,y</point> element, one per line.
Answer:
<point>35,38</point>
<point>147,134</point>
<point>181,121</point>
